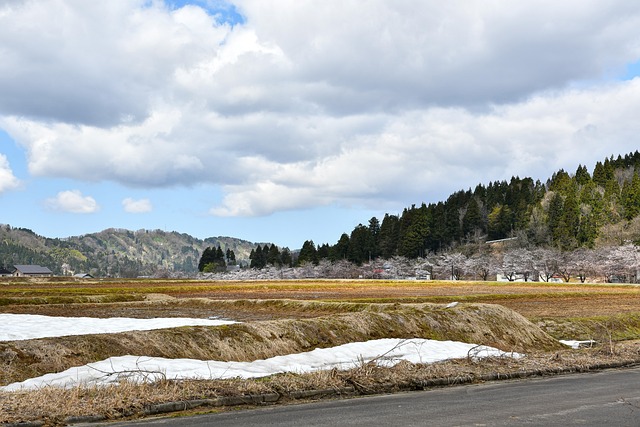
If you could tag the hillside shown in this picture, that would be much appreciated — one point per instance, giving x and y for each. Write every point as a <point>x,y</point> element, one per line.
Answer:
<point>114,252</point>
<point>569,211</point>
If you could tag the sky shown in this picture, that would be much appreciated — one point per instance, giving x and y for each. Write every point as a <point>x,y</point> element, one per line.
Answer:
<point>289,120</point>
<point>387,352</point>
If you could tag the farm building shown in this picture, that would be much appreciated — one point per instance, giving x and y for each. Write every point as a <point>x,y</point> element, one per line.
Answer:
<point>4,272</point>
<point>32,271</point>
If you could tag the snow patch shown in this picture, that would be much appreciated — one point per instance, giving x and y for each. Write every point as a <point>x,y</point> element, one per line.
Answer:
<point>384,352</point>
<point>14,327</point>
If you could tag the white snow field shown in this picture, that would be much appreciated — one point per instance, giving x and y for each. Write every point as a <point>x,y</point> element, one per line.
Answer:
<point>385,352</point>
<point>29,326</point>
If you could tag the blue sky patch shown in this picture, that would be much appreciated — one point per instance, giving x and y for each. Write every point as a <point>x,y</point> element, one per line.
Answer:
<point>224,12</point>
<point>633,71</point>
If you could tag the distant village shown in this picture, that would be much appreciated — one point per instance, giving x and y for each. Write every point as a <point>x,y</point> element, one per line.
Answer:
<point>32,271</point>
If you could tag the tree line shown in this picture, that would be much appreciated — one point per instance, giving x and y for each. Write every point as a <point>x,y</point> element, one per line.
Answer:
<point>216,260</point>
<point>503,260</point>
<point>570,211</point>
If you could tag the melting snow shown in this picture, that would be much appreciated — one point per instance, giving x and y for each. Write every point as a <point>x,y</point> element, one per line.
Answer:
<point>15,327</point>
<point>385,352</point>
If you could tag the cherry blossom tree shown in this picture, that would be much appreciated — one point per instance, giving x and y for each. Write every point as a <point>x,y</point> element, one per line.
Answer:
<point>585,263</point>
<point>482,264</point>
<point>451,265</point>
<point>545,262</point>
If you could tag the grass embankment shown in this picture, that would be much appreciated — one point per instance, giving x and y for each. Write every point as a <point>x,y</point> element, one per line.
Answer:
<point>55,407</point>
<point>288,324</point>
<point>620,327</point>
<point>475,323</point>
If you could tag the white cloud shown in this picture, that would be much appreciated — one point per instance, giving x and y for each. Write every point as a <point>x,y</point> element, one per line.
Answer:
<point>137,206</point>
<point>8,181</point>
<point>380,105</point>
<point>427,155</point>
<point>74,202</point>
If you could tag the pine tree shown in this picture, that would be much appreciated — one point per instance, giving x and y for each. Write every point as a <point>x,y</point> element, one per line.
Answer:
<point>388,236</point>
<point>472,219</point>
<point>414,232</point>
<point>570,223</point>
<point>630,197</point>
<point>273,256</point>
<point>554,218</point>
<point>285,257</point>
<point>360,245</point>
<point>582,176</point>
<point>259,258</point>
<point>500,222</point>
<point>374,230</point>
<point>341,249</point>
<point>231,256</point>
<point>308,253</point>
<point>208,256</point>
<point>324,251</point>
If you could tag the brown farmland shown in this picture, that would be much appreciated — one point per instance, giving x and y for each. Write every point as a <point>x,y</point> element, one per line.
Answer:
<point>281,317</point>
<point>153,298</point>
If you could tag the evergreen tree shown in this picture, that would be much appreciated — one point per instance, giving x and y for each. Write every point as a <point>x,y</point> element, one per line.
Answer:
<point>308,253</point>
<point>582,176</point>
<point>554,218</point>
<point>500,222</point>
<point>437,239</point>
<point>231,256</point>
<point>219,254</point>
<point>259,257</point>
<point>208,257</point>
<point>630,197</point>
<point>341,249</point>
<point>570,223</point>
<point>360,245</point>
<point>599,174</point>
<point>388,236</point>
<point>472,220</point>
<point>560,182</point>
<point>374,230</point>
<point>273,256</point>
<point>414,232</point>
<point>324,251</point>
<point>285,257</point>
<point>212,260</point>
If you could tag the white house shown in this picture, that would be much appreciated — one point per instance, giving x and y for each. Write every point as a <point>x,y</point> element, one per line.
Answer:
<point>517,277</point>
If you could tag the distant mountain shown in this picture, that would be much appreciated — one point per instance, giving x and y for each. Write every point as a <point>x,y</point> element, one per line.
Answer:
<point>114,252</point>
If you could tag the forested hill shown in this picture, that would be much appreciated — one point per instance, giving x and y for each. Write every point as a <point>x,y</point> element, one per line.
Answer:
<point>568,211</point>
<point>584,208</point>
<point>113,252</point>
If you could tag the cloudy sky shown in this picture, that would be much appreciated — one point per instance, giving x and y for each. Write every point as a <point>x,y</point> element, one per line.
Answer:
<point>286,120</point>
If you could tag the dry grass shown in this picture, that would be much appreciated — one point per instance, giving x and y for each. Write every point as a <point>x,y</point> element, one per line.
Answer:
<point>128,400</point>
<point>529,299</point>
<point>291,316</point>
<point>491,325</point>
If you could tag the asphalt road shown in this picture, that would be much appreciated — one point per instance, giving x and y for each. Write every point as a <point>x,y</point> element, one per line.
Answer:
<point>609,398</point>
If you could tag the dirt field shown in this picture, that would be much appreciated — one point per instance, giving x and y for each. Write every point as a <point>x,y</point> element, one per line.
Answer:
<point>179,298</point>
<point>301,313</point>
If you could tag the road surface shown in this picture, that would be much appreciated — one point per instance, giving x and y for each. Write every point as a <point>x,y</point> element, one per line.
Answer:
<point>608,398</point>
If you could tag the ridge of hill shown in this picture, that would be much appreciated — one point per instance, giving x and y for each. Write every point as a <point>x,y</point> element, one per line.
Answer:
<point>569,211</point>
<point>114,252</point>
